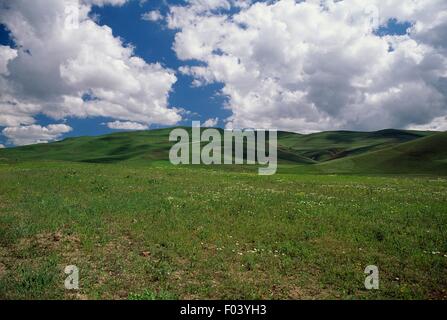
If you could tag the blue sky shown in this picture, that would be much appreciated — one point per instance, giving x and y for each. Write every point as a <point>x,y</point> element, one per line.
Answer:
<point>321,100</point>
<point>152,42</point>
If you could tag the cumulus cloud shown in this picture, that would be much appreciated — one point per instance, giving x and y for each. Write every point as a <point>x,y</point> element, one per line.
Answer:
<point>14,112</point>
<point>25,135</point>
<point>318,65</point>
<point>66,65</point>
<point>153,16</point>
<point>211,122</point>
<point>127,125</point>
<point>2,146</point>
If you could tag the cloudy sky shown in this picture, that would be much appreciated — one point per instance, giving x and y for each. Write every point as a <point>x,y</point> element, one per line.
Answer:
<point>70,68</point>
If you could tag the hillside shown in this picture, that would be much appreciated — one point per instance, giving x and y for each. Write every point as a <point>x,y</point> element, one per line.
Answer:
<point>340,151</point>
<point>427,155</point>
<point>325,146</point>
<point>116,147</point>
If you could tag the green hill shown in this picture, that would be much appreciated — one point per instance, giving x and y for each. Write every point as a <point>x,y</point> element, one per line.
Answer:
<point>153,145</point>
<point>427,155</point>
<point>325,146</point>
<point>338,151</point>
<point>116,147</point>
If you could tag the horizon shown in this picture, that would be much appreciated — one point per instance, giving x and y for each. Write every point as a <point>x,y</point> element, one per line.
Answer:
<point>219,128</point>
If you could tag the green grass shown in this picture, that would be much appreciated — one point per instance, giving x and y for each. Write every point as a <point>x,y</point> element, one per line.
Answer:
<point>163,232</point>
<point>151,295</point>
<point>139,228</point>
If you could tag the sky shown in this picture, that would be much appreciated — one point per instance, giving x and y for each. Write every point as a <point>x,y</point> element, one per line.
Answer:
<point>89,67</point>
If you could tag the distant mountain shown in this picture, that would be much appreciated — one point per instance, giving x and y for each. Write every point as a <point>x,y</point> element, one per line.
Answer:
<point>386,151</point>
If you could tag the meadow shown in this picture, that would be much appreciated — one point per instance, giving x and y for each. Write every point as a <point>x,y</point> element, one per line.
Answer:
<point>156,231</point>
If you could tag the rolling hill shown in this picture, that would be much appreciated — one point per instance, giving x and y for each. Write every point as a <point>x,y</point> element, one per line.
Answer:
<point>386,151</point>
<point>427,155</point>
<point>325,146</point>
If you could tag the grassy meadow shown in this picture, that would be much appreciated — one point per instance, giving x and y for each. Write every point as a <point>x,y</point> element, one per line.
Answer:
<point>140,229</point>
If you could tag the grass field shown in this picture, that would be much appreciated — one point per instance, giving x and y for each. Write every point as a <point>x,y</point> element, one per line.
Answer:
<point>161,232</point>
<point>139,228</point>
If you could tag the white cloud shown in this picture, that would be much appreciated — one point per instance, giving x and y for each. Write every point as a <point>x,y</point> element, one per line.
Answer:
<point>153,16</point>
<point>211,122</point>
<point>2,146</point>
<point>14,113</point>
<point>25,135</point>
<point>437,124</point>
<point>318,65</point>
<point>127,125</point>
<point>59,63</point>
<point>6,54</point>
